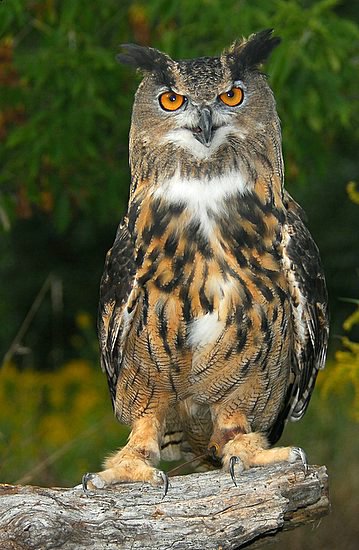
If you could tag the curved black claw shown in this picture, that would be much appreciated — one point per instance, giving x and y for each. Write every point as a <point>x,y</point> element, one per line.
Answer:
<point>164,478</point>
<point>299,453</point>
<point>85,478</point>
<point>232,462</point>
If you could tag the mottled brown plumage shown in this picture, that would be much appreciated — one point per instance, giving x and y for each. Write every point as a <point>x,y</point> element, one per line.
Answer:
<point>213,312</point>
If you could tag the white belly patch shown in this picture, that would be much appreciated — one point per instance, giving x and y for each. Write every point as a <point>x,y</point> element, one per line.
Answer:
<point>205,330</point>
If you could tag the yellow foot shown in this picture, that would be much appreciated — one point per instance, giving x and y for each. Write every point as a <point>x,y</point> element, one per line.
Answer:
<point>248,450</point>
<point>125,471</point>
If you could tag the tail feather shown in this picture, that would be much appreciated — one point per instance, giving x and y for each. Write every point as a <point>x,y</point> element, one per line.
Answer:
<point>171,445</point>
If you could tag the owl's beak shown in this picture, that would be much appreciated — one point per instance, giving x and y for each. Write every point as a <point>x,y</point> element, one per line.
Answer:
<point>204,131</point>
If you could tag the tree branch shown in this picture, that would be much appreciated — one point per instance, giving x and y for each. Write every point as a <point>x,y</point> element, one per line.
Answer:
<point>200,511</point>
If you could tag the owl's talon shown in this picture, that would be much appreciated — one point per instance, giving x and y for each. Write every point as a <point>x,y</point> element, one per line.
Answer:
<point>85,478</point>
<point>298,453</point>
<point>97,481</point>
<point>232,462</point>
<point>164,478</point>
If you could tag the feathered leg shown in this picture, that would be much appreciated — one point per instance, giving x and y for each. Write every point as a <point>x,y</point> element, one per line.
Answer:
<point>134,462</point>
<point>234,442</point>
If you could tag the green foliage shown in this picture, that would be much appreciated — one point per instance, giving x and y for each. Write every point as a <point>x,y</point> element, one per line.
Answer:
<point>61,77</point>
<point>344,374</point>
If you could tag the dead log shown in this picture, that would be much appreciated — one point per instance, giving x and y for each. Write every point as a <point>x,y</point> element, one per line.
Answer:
<point>200,511</point>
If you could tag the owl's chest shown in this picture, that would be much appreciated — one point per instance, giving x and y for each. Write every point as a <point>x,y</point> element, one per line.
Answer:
<point>210,262</point>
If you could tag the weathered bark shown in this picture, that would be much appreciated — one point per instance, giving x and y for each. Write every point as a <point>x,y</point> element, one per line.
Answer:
<point>200,511</point>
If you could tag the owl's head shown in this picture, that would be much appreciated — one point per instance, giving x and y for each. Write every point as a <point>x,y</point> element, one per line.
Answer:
<point>208,108</point>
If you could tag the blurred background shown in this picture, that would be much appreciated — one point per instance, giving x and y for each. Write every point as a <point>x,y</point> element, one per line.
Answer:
<point>65,107</point>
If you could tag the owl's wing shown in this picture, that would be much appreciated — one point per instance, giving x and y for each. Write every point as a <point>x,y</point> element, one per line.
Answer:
<point>309,306</point>
<point>304,273</point>
<point>116,285</point>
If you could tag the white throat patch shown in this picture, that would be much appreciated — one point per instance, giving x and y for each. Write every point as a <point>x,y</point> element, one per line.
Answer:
<point>202,193</point>
<point>203,197</point>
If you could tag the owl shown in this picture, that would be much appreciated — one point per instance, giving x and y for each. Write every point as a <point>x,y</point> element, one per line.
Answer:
<point>213,319</point>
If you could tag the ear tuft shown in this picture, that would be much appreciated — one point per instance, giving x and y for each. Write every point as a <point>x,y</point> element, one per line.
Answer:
<point>248,54</point>
<point>148,60</point>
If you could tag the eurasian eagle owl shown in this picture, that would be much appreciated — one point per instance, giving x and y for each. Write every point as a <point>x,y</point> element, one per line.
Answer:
<point>213,314</point>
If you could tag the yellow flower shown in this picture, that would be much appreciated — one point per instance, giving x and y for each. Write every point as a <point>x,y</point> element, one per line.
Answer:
<point>352,192</point>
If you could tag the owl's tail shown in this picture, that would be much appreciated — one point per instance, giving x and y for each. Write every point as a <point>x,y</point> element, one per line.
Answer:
<point>173,437</point>
<point>186,438</point>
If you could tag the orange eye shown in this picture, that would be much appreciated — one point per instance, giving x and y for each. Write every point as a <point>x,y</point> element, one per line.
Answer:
<point>233,97</point>
<point>170,101</point>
